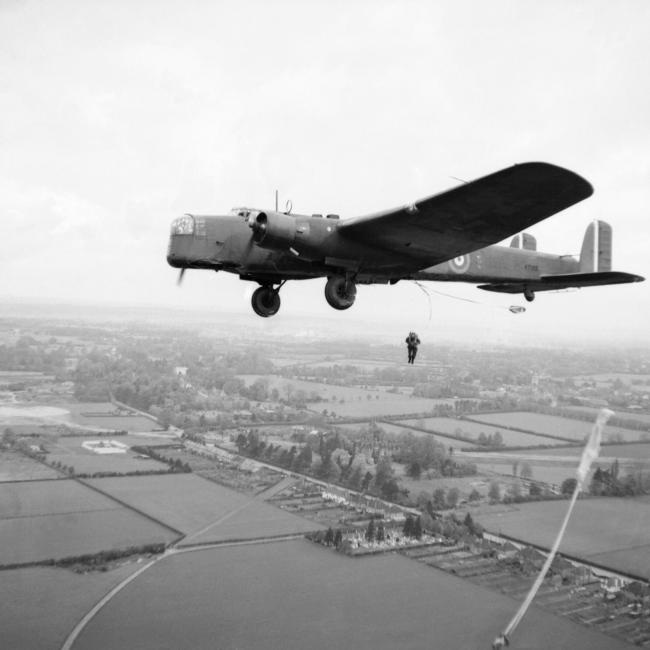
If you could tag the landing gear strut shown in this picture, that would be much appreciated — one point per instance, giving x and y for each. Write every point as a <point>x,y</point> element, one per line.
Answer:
<point>340,292</point>
<point>266,300</point>
<point>529,294</point>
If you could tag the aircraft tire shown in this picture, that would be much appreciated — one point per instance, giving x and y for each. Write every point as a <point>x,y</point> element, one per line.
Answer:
<point>340,293</point>
<point>265,301</point>
<point>529,294</point>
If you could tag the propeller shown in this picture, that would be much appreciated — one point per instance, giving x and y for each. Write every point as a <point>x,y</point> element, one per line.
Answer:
<point>258,224</point>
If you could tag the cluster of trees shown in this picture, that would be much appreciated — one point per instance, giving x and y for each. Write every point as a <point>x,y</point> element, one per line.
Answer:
<point>454,528</point>
<point>493,440</point>
<point>176,465</point>
<point>104,557</point>
<point>30,355</point>
<point>413,527</point>
<point>250,444</point>
<point>608,482</point>
<point>424,454</point>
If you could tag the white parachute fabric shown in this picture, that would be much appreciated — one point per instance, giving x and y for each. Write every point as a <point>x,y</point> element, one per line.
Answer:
<point>589,454</point>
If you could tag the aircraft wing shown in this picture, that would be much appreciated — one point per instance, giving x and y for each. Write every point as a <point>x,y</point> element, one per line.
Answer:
<point>471,216</point>
<point>566,281</point>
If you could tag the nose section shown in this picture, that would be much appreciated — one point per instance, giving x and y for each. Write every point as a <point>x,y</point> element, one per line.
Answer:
<point>180,241</point>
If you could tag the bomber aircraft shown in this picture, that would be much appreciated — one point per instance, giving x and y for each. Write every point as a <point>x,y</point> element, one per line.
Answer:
<point>446,237</point>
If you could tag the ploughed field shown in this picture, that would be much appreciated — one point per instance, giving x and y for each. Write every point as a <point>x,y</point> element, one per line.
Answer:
<point>202,509</point>
<point>42,520</point>
<point>296,595</point>
<point>607,531</point>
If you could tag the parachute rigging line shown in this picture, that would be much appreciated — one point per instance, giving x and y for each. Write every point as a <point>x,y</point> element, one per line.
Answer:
<point>427,294</point>
<point>512,308</point>
<point>589,454</point>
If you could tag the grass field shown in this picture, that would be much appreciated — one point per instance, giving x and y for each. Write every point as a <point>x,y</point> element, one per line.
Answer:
<point>624,415</point>
<point>639,452</point>
<point>553,425</point>
<point>56,519</point>
<point>41,605</point>
<point>15,466</point>
<point>541,471</point>
<point>474,429</point>
<point>190,503</point>
<point>294,595</point>
<point>73,414</point>
<point>69,451</point>
<point>612,532</point>
<point>79,414</point>
<point>356,402</point>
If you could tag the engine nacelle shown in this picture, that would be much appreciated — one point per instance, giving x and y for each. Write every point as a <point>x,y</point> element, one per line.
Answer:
<point>273,229</point>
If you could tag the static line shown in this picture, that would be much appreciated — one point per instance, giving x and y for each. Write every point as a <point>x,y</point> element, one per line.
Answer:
<point>512,308</point>
<point>589,454</point>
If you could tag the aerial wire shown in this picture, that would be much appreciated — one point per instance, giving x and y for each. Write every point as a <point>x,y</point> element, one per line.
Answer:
<point>589,454</point>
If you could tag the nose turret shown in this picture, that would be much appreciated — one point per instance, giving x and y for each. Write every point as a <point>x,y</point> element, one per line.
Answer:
<point>180,241</point>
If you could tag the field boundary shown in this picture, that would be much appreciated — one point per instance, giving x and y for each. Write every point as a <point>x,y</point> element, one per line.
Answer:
<point>180,534</point>
<point>573,558</point>
<point>450,436</point>
<point>520,430</point>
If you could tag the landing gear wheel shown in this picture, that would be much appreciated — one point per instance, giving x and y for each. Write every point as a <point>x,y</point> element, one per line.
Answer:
<point>529,294</point>
<point>339,292</point>
<point>265,301</point>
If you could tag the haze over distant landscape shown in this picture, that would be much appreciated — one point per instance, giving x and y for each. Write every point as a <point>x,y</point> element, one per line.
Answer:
<point>117,118</point>
<point>177,472</point>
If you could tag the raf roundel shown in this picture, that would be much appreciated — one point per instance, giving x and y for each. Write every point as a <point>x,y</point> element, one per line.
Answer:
<point>459,264</point>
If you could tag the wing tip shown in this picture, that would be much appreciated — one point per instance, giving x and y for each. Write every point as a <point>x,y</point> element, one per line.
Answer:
<point>580,185</point>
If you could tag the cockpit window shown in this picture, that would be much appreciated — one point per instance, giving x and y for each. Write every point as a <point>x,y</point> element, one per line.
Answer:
<point>240,212</point>
<point>183,225</point>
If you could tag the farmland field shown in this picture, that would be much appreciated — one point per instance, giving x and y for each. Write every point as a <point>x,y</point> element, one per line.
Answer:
<point>610,377</point>
<point>69,451</point>
<point>41,605</point>
<point>553,425</point>
<point>296,595</point>
<point>639,452</point>
<point>15,466</point>
<point>542,471</point>
<point>357,402</point>
<point>474,429</point>
<point>624,415</point>
<point>79,414</point>
<point>612,532</point>
<point>190,503</point>
<point>56,519</point>
<point>74,413</point>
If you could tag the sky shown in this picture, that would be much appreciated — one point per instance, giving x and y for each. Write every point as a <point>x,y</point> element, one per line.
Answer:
<point>116,117</point>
